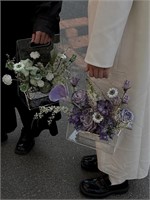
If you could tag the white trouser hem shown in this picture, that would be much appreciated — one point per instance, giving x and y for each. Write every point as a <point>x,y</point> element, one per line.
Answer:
<point>115,181</point>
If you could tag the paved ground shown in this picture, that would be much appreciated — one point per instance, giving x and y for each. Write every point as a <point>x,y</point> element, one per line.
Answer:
<point>52,169</point>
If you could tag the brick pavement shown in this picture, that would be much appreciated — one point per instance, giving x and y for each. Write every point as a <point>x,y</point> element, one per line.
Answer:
<point>74,36</point>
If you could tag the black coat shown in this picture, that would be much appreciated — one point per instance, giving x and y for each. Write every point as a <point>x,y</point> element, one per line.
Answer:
<point>30,16</point>
<point>21,18</point>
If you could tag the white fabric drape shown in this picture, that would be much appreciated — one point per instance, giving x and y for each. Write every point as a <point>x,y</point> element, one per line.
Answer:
<point>119,38</point>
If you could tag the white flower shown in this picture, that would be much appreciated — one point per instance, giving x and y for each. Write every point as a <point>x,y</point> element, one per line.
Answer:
<point>40,83</point>
<point>112,92</point>
<point>39,64</point>
<point>34,55</point>
<point>97,117</point>
<point>49,76</point>
<point>19,66</point>
<point>62,56</point>
<point>36,116</point>
<point>33,70</point>
<point>44,109</point>
<point>27,63</point>
<point>7,79</point>
<point>64,109</point>
<point>25,72</point>
<point>33,82</point>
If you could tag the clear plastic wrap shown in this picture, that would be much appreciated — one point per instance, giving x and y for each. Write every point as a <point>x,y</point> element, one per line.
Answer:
<point>106,135</point>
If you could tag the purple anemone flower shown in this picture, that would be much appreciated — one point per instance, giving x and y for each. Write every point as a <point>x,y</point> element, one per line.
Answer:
<point>103,135</point>
<point>106,128</point>
<point>104,107</point>
<point>102,132</point>
<point>59,92</point>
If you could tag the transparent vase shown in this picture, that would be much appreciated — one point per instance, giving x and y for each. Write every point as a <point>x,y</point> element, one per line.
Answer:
<point>92,140</point>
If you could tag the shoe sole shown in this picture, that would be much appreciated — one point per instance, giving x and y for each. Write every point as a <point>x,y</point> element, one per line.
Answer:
<point>122,191</point>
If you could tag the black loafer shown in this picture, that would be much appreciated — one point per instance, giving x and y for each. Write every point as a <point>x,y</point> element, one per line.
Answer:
<point>89,163</point>
<point>100,187</point>
<point>24,146</point>
<point>25,142</point>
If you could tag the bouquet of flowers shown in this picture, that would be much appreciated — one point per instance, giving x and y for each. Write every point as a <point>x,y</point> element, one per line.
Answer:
<point>94,116</point>
<point>36,80</point>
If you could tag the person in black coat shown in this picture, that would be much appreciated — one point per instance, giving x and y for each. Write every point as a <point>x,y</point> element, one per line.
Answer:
<point>20,20</point>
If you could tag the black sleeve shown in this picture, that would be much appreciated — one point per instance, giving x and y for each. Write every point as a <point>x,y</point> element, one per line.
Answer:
<point>46,17</point>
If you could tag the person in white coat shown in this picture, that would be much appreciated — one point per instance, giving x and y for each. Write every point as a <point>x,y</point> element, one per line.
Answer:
<point>119,40</point>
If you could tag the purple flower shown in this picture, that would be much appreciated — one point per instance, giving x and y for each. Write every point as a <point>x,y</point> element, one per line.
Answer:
<point>127,85</point>
<point>116,101</point>
<point>102,132</point>
<point>79,97</point>
<point>111,123</point>
<point>57,93</point>
<point>106,128</point>
<point>74,117</point>
<point>87,120</point>
<point>74,80</point>
<point>87,111</point>
<point>126,115</point>
<point>125,99</point>
<point>104,107</point>
<point>103,135</point>
<point>108,123</point>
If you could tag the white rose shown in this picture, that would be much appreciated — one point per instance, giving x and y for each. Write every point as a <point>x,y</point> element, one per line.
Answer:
<point>7,79</point>
<point>34,55</point>
<point>49,76</point>
<point>40,83</point>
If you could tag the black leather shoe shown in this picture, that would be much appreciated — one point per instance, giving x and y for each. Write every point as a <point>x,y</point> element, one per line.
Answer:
<point>89,163</point>
<point>100,187</point>
<point>24,144</point>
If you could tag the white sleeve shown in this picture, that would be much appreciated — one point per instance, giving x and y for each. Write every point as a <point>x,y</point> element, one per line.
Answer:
<point>107,28</point>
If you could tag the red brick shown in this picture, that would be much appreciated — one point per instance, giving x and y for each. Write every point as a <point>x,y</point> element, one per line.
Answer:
<point>78,42</point>
<point>71,32</point>
<point>73,22</point>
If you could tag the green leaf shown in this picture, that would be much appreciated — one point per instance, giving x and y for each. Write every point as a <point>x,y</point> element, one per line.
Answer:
<point>53,54</point>
<point>24,87</point>
<point>43,72</point>
<point>9,64</point>
<point>73,58</point>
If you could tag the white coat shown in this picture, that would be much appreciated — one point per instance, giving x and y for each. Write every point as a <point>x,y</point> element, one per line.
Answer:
<point>119,38</point>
